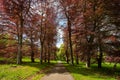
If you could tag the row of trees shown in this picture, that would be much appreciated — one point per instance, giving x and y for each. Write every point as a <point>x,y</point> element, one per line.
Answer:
<point>92,30</point>
<point>31,27</point>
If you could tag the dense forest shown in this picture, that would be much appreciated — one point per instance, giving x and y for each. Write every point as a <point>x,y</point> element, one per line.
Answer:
<point>91,31</point>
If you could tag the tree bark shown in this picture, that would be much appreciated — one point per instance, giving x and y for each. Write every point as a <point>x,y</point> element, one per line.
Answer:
<point>77,59</point>
<point>100,51</point>
<point>45,57</point>
<point>70,41</point>
<point>32,52</point>
<point>32,56</point>
<point>20,36</point>
<point>67,56</point>
<point>88,60</point>
<point>54,55</point>
<point>114,67</point>
<point>49,53</point>
<point>19,55</point>
<point>41,53</point>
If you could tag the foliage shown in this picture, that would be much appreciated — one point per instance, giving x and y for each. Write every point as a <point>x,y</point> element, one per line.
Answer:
<point>7,44</point>
<point>94,29</point>
<point>61,52</point>
<point>24,22</point>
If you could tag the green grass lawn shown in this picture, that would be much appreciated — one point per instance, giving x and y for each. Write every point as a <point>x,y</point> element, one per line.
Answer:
<point>21,72</point>
<point>80,72</point>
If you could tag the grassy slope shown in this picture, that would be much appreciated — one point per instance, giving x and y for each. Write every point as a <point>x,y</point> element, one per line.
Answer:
<point>21,72</point>
<point>80,72</point>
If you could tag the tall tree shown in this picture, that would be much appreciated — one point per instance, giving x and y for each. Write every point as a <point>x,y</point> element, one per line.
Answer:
<point>18,10</point>
<point>68,11</point>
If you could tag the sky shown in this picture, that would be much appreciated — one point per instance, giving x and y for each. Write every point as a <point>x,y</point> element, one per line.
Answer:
<point>60,40</point>
<point>62,23</point>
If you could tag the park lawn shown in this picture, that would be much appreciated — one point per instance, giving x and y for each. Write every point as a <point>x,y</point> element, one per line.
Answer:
<point>22,72</point>
<point>80,72</point>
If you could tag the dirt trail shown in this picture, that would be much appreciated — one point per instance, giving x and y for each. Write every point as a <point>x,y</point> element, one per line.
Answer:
<point>58,72</point>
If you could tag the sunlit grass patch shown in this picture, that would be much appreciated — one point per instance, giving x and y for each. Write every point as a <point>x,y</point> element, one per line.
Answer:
<point>21,72</point>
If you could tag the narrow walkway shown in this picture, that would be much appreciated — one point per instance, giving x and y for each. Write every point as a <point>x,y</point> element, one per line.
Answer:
<point>58,72</point>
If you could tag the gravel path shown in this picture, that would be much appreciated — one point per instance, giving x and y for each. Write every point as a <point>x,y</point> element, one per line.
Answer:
<point>58,72</point>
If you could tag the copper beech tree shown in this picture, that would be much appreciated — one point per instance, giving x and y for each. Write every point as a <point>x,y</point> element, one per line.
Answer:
<point>17,10</point>
<point>32,20</point>
<point>88,24</point>
<point>91,29</point>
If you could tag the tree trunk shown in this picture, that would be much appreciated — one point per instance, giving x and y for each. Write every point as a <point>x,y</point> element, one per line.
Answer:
<point>19,55</point>
<point>41,53</point>
<point>88,60</point>
<point>77,59</point>
<point>32,56</point>
<point>45,57</point>
<point>114,67</point>
<point>67,56</point>
<point>48,53</point>
<point>54,55</point>
<point>70,42</point>
<point>32,52</point>
<point>101,54</point>
<point>20,34</point>
<point>100,60</point>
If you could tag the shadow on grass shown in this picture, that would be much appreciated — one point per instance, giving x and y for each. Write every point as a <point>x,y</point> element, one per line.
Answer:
<point>93,71</point>
<point>7,61</point>
<point>35,64</point>
<point>27,70</point>
<point>106,71</point>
